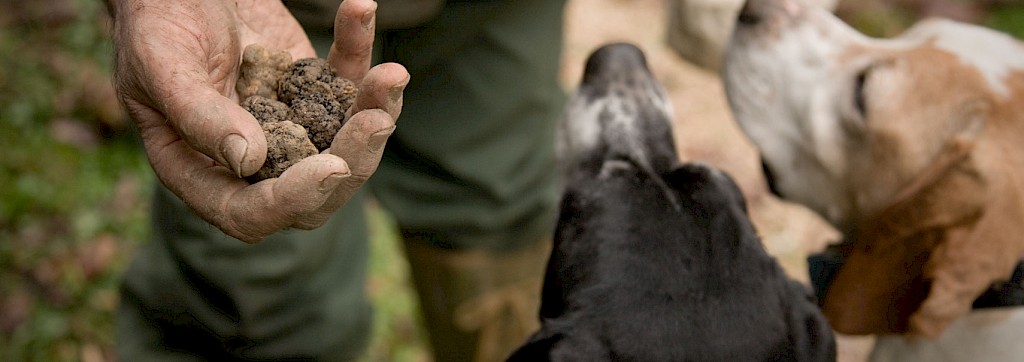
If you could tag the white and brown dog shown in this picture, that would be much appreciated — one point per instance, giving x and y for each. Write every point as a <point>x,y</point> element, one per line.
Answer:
<point>913,146</point>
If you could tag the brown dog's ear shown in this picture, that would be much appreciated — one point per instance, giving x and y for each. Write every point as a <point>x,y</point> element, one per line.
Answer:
<point>972,259</point>
<point>883,280</point>
<point>875,292</point>
<point>897,259</point>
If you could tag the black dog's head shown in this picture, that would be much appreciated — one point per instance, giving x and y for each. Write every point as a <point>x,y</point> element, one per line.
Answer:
<point>655,260</point>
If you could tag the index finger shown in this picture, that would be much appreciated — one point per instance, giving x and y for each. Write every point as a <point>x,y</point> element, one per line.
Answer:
<point>352,50</point>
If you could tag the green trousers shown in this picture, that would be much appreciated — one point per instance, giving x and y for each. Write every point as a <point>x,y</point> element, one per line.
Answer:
<point>470,167</point>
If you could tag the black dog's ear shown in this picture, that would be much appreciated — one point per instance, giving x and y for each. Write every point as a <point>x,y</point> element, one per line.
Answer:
<point>810,333</point>
<point>550,346</point>
<point>537,349</point>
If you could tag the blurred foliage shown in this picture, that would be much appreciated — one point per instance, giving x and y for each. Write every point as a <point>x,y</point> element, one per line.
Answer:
<point>887,18</point>
<point>74,196</point>
<point>72,184</point>
<point>1009,18</point>
<point>397,332</point>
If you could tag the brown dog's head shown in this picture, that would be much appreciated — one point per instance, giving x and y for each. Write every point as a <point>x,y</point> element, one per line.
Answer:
<point>913,146</point>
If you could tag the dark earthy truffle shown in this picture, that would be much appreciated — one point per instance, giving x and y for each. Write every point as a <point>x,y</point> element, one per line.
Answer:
<point>301,105</point>
<point>321,116</point>
<point>344,92</point>
<point>267,110</point>
<point>304,77</point>
<point>261,71</point>
<point>287,144</point>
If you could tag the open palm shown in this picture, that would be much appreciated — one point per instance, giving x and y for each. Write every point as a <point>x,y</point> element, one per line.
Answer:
<point>177,64</point>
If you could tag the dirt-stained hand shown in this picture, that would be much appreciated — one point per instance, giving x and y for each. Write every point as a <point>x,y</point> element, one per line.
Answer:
<point>176,67</point>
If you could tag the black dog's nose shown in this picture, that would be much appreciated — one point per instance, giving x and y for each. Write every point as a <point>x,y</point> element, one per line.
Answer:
<point>614,61</point>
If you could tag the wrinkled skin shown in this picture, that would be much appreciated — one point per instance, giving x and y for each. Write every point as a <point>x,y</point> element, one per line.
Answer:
<point>176,67</point>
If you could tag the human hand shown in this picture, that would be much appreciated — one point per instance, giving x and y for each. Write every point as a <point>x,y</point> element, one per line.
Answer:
<point>176,67</point>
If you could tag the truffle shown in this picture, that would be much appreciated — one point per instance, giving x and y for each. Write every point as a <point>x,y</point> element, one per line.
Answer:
<point>261,71</point>
<point>267,110</point>
<point>304,77</point>
<point>287,98</point>
<point>321,116</point>
<point>287,144</point>
<point>344,92</point>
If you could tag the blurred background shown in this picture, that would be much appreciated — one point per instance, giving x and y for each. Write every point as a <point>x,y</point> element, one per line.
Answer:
<point>75,184</point>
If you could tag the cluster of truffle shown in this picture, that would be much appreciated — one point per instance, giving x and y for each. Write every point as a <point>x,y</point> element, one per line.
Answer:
<point>301,105</point>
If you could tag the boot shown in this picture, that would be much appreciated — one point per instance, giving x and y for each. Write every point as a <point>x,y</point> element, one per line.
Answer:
<point>478,305</point>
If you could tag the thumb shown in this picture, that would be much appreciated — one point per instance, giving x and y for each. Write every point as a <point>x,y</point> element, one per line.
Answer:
<point>187,80</point>
<point>219,128</point>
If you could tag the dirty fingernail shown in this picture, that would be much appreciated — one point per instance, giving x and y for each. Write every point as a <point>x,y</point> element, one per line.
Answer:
<point>368,18</point>
<point>233,149</point>
<point>332,181</point>
<point>378,139</point>
<point>395,93</point>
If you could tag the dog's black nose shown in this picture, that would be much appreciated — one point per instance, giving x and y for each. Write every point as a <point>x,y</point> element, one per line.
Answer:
<point>614,61</point>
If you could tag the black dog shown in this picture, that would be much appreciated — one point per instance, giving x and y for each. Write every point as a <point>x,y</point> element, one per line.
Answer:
<point>653,260</point>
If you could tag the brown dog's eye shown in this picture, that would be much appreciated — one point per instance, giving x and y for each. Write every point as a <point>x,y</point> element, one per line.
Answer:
<point>748,19</point>
<point>859,100</point>
<point>748,16</point>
